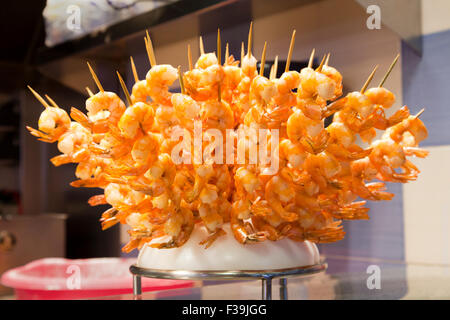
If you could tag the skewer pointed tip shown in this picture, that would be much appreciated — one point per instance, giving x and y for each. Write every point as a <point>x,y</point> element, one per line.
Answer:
<point>249,44</point>
<point>150,51</point>
<point>219,48</point>
<point>311,58</point>
<point>133,68</point>
<point>389,70</point>
<point>263,60</point>
<point>275,68</point>
<point>124,88</point>
<point>90,93</point>
<point>419,113</point>
<point>38,97</point>
<point>96,80</point>
<point>319,68</point>
<point>202,48</point>
<point>327,59</point>
<point>291,48</point>
<point>227,53</point>
<point>366,84</point>
<point>190,58</point>
<point>52,102</point>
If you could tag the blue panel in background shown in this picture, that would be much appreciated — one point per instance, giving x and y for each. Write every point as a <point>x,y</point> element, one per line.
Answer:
<point>381,237</point>
<point>426,84</point>
<point>378,241</point>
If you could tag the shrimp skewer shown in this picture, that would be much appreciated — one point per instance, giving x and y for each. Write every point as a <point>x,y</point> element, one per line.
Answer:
<point>53,122</point>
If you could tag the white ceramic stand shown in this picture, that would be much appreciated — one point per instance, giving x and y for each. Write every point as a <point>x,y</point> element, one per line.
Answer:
<point>228,259</point>
<point>228,254</point>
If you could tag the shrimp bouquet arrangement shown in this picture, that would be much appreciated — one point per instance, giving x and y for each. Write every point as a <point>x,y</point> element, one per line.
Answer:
<point>170,162</point>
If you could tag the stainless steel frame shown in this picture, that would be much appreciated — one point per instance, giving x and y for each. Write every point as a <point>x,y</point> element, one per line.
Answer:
<point>265,275</point>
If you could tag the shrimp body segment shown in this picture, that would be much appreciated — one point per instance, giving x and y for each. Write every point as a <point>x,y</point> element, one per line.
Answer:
<point>138,117</point>
<point>159,79</point>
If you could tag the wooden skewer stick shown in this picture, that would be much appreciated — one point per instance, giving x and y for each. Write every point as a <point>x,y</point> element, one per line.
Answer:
<point>124,88</point>
<point>275,67</point>
<point>389,70</point>
<point>133,68</point>
<point>202,48</point>
<point>249,44</point>
<point>90,93</point>
<point>311,58</point>
<point>149,53</point>
<point>271,77</point>
<point>291,48</point>
<point>369,79</point>
<point>319,68</point>
<point>97,82</point>
<point>327,59</point>
<point>180,79</point>
<point>52,102</point>
<point>219,48</point>
<point>152,52</point>
<point>227,54</point>
<point>39,98</point>
<point>242,52</point>
<point>419,113</point>
<point>190,58</point>
<point>263,60</point>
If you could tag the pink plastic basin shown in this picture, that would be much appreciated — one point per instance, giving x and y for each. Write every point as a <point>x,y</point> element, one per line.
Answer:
<point>58,278</point>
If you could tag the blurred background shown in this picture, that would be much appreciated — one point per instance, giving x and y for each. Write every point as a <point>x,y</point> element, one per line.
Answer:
<point>45,44</point>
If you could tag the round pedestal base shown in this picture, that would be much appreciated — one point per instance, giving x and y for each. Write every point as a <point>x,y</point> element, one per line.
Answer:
<point>228,254</point>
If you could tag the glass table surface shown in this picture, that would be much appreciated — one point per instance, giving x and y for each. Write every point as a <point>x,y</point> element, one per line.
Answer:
<point>346,278</point>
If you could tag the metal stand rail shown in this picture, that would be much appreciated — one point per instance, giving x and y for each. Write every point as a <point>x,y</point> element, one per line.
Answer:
<point>266,277</point>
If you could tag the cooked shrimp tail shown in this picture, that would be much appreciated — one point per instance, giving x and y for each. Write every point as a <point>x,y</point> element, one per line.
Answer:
<point>97,200</point>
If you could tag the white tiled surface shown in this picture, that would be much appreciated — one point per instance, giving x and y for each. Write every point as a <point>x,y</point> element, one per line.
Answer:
<point>435,16</point>
<point>426,210</point>
<point>427,282</point>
